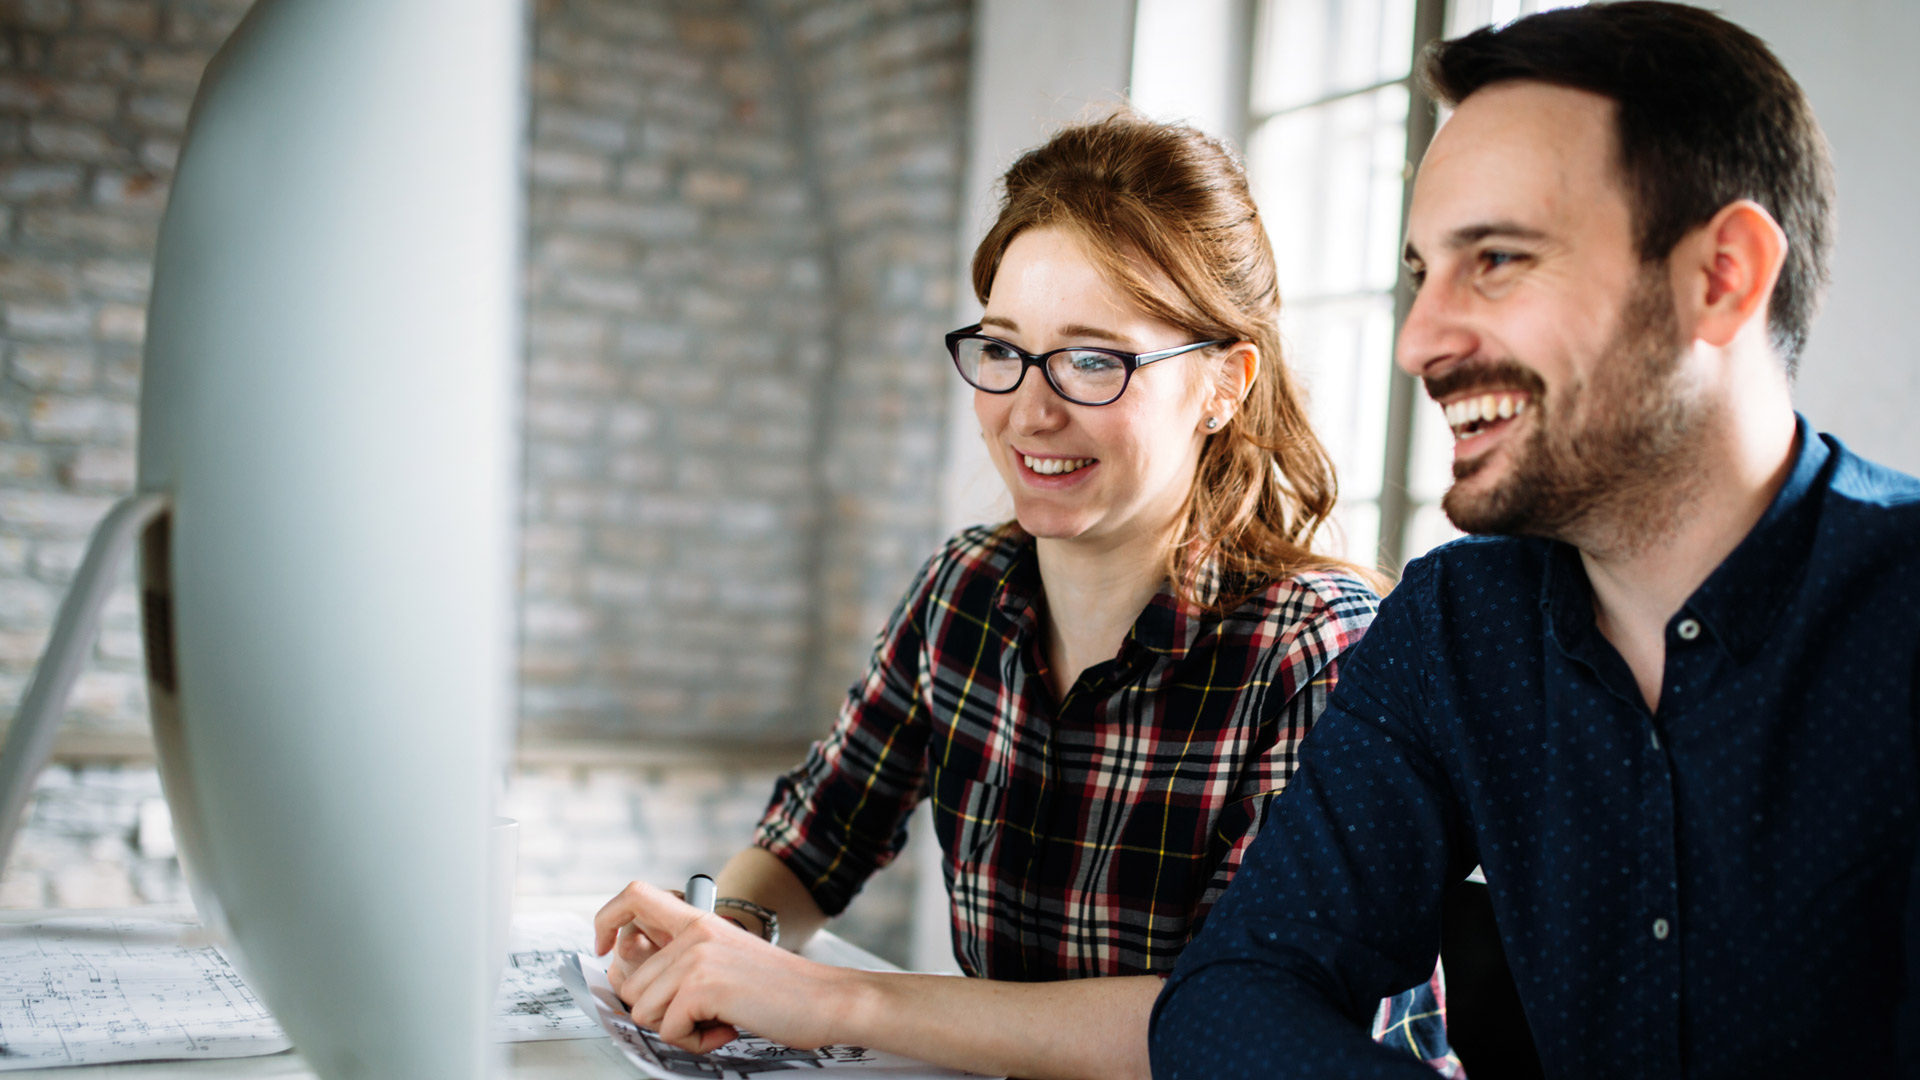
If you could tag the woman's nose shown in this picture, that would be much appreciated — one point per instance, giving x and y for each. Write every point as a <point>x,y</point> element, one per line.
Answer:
<point>1036,407</point>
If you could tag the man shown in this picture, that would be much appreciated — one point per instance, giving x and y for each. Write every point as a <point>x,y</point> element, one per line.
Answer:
<point>1669,706</point>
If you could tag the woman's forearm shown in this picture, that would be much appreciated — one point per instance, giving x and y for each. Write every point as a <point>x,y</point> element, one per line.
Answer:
<point>1078,1029</point>
<point>756,875</point>
<point>1091,1028</point>
<point>699,978</point>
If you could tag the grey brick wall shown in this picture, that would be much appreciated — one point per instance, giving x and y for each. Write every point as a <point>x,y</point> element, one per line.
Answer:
<point>93,99</point>
<point>98,836</point>
<point>740,254</point>
<point>881,90</point>
<point>732,444</point>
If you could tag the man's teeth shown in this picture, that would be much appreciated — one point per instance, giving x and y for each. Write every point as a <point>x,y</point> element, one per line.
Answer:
<point>1466,415</point>
<point>1054,466</point>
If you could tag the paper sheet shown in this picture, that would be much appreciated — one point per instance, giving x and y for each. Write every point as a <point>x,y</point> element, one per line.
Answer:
<point>94,991</point>
<point>532,1004</point>
<point>747,1056</point>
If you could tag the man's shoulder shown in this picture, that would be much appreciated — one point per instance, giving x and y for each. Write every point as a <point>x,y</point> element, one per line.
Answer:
<point>1485,566</point>
<point>1870,513</point>
<point>1869,486</point>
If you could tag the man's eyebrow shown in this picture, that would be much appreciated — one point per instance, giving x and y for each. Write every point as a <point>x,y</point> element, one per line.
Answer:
<point>1469,235</point>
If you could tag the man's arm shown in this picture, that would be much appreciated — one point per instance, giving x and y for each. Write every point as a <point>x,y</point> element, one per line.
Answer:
<point>1906,1036</point>
<point>1338,902</point>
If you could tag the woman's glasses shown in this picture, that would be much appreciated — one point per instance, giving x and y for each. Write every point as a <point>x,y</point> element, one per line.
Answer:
<point>1082,375</point>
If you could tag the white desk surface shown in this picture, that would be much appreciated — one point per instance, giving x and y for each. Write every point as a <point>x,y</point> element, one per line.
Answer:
<point>560,1059</point>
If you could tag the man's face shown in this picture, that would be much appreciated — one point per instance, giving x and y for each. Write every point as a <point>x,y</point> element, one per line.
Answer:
<point>1552,348</point>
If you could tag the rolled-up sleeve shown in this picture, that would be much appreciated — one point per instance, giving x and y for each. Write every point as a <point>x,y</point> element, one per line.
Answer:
<point>1337,903</point>
<point>842,813</point>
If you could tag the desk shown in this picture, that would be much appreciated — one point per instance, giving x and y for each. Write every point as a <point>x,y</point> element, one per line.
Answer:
<point>561,1059</point>
<point>570,1059</point>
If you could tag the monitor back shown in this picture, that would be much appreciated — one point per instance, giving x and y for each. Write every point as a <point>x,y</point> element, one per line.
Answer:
<point>328,400</point>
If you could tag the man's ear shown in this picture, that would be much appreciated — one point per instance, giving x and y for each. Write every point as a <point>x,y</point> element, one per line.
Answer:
<point>1729,268</point>
<point>1234,375</point>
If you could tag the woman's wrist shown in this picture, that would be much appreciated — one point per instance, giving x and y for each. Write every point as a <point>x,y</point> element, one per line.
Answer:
<point>859,1006</point>
<point>750,917</point>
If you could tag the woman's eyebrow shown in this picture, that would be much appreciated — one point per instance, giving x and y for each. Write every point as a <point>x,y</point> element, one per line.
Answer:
<point>1081,330</point>
<point>1072,330</point>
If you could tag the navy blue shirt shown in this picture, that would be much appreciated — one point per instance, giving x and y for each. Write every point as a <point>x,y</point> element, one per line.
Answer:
<point>1721,888</point>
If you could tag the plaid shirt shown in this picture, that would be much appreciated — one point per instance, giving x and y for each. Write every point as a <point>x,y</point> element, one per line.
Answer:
<point>1087,836</point>
<point>1082,837</point>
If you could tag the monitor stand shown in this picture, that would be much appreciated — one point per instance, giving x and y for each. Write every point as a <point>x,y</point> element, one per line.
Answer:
<point>30,738</point>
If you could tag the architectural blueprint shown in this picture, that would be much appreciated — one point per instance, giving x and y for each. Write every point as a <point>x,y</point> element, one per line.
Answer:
<point>744,1058</point>
<point>532,1003</point>
<point>92,991</point>
<point>96,990</point>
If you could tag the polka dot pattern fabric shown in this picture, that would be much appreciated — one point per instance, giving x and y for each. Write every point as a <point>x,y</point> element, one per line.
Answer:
<point>1720,888</point>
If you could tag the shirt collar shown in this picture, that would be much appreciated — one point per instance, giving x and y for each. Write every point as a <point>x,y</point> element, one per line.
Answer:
<point>1169,625</point>
<point>1745,594</point>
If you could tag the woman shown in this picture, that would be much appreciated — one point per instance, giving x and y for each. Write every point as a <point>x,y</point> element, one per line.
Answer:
<point>1100,697</point>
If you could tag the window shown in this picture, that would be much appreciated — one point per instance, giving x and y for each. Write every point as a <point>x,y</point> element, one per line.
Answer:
<point>1329,144</point>
<point>1327,136</point>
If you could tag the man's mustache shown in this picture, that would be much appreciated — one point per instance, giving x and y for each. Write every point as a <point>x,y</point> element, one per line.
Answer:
<point>1484,375</point>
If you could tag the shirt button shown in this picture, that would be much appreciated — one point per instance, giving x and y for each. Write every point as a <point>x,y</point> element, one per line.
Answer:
<point>1688,629</point>
<point>1661,929</point>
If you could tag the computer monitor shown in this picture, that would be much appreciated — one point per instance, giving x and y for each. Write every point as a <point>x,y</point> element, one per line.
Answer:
<point>325,506</point>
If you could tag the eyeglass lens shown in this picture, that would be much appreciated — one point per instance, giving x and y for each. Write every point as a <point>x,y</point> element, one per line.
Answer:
<point>1085,375</point>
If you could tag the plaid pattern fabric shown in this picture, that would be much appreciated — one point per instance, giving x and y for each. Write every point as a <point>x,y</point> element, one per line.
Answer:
<point>1416,1022</point>
<point>1082,837</point>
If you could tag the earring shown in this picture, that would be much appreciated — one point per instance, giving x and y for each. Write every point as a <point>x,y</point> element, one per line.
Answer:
<point>1212,422</point>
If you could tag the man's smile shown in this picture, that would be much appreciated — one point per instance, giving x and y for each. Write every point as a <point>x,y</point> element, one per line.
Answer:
<point>1472,415</point>
<point>1478,420</point>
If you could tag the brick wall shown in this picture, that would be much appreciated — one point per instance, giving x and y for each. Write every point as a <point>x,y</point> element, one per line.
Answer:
<point>93,99</point>
<point>98,836</point>
<point>881,92</point>
<point>740,247</point>
<point>732,445</point>
<point>740,254</point>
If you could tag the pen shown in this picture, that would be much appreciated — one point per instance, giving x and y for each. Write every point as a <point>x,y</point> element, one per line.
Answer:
<point>700,892</point>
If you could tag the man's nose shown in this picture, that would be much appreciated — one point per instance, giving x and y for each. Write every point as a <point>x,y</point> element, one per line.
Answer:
<point>1436,332</point>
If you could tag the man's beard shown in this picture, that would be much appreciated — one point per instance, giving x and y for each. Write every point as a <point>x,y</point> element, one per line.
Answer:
<point>1604,464</point>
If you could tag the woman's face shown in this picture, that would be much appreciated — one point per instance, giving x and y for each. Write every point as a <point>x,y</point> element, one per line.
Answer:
<point>1094,475</point>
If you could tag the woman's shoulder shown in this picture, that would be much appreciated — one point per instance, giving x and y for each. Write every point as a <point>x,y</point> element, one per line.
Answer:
<point>980,554</point>
<point>1002,543</point>
<point>1329,607</point>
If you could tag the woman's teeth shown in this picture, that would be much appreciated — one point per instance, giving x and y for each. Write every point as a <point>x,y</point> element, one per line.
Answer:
<point>1055,466</point>
<point>1470,414</point>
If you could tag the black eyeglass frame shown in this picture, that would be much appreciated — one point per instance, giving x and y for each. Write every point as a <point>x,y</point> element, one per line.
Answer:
<point>1131,362</point>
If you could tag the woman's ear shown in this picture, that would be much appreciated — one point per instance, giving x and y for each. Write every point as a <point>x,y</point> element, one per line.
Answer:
<point>1234,373</point>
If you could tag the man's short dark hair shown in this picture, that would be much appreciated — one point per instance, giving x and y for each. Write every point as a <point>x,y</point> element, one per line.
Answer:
<point>1706,115</point>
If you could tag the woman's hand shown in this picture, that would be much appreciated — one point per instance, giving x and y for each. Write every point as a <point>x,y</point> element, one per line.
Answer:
<point>696,978</point>
<point>631,947</point>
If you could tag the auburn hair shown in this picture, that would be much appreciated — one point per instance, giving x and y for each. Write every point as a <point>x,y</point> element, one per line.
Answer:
<point>1131,189</point>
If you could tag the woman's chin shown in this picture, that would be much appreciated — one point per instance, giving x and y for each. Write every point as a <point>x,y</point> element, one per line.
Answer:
<point>1049,524</point>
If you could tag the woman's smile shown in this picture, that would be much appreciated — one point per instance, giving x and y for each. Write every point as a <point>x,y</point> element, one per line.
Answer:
<point>1054,470</point>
